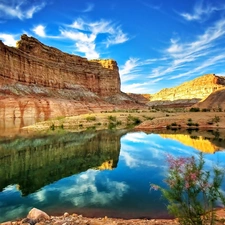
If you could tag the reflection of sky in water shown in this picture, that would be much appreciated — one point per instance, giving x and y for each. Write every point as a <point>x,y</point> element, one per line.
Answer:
<point>122,192</point>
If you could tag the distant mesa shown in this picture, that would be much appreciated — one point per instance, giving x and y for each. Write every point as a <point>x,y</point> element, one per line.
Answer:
<point>188,93</point>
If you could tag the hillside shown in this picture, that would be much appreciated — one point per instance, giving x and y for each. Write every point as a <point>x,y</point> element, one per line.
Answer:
<point>216,101</point>
<point>189,92</point>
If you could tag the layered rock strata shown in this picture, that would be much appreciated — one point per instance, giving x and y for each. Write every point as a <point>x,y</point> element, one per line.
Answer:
<point>41,82</point>
<point>188,93</point>
<point>35,63</point>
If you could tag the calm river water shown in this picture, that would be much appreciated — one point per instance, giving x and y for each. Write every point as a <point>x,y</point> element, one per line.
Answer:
<point>98,174</point>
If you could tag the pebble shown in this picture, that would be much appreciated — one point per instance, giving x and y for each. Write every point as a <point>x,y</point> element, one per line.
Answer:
<point>66,214</point>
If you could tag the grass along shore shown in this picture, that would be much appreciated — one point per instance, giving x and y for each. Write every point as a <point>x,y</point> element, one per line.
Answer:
<point>141,120</point>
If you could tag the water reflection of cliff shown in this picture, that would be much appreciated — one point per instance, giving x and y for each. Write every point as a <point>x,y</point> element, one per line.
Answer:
<point>35,162</point>
<point>204,144</point>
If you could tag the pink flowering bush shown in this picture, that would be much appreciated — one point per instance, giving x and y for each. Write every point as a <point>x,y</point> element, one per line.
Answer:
<point>192,192</point>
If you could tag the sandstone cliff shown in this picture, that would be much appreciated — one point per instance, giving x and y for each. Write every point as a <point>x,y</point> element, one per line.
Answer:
<point>41,82</point>
<point>189,92</point>
<point>35,63</point>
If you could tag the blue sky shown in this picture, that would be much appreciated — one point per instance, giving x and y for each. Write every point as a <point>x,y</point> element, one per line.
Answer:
<point>156,43</point>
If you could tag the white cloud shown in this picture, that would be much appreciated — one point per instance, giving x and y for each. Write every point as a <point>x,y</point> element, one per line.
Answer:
<point>201,52</point>
<point>85,43</point>
<point>85,34</point>
<point>89,49</point>
<point>20,9</point>
<point>206,64</point>
<point>134,157</point>
<point>89,8</point>
<point>136,137</point>
<point>8,39</point>
<point>40,31</point>
<point>181,60</point>
<point>202,11</point>
<point>137,87</point>
<point>135,69</point>
<point>129,66</point>
<point>84,190</point>
<point>117,38</point>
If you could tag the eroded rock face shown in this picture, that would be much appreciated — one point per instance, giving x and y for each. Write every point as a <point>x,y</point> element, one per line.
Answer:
<point>189,92</point>
<point>41,82</point>
<point>35,63</point>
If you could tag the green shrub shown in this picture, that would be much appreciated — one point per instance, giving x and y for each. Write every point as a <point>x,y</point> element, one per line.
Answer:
<point>192,192</point>
<point>205,110</point>
<point>112,118</point>
<point>111,126</point>
<point>52,127</point>
<point>91,128</point>
<point>168,127</point>
<point>216,119</point>
<point>131,120</point>
<point>194,110</point>
<point>118,122</point>
<point>90,118</point>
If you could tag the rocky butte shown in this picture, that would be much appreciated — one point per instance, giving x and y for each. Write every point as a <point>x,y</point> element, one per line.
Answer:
<point>40,82</point>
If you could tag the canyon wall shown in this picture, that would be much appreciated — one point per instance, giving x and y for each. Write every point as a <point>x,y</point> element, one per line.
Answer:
<point>42,82</point>
<point>35,63</point>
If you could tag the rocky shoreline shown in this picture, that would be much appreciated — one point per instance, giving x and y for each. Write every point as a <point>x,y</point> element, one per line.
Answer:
<point>38,217</point>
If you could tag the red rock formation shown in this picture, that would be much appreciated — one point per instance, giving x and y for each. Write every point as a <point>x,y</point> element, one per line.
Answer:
<point>34,63</point>
<point>41,82</point>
